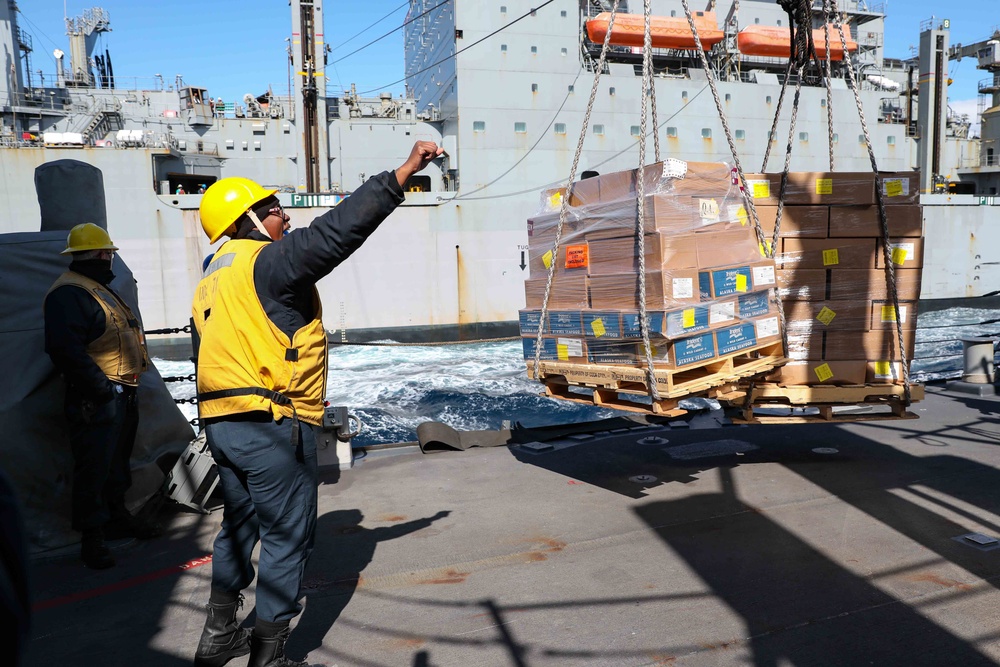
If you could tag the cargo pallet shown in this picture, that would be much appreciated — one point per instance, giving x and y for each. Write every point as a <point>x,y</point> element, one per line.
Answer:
<point>824,398</point>
<point>708,378</point>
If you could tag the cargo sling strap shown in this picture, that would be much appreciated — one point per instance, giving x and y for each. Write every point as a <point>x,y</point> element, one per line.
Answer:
<point>273,396</point>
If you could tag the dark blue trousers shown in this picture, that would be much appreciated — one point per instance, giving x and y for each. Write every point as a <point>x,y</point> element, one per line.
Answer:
<point>269,488</point>
<point>102,439</point>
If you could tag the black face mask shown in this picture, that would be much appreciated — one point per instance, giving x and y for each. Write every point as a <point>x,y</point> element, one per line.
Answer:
<point>95,269</point>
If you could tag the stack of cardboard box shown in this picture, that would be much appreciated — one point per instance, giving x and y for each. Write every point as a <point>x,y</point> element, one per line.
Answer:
<point>840,319</point>
<point>708,287</point>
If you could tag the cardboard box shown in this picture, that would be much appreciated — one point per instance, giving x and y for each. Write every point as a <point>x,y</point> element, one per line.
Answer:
<point>746,335</point>
<point>900,187</point>
<point>804,345</point>
<point>796,221</point>
<point>803,284</point>
<point>840,345</point>
<point>568,292</point>
<point>632,327</point>
<point>602,324</point>
<point>528,320</point>
<point>817,371</point>
<point>727,246</point>
<point>906,220</point>
<point>755,304</point>
<point>884,371</point>
<point>555,348</point>
<point>582,193</point>
<point>810,316</point>
<point>907,253</point>
<point>722,282</point>
<point>883,315</point>
<point>827,253</point>
<point>542,230</point>
<point>664,289</point>
<point>663,251</point>
<point>673,176</point>
<point>826,188</point>
<point>870,283</point>
<point>628,353</point>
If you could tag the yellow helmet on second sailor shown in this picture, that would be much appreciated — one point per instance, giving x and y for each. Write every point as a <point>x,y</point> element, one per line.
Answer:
<point>226,201</point>
<point>88,236</point>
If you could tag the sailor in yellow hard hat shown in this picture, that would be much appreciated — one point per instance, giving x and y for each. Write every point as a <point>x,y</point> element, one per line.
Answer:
<point>261,384</point>
<point>98,345</point>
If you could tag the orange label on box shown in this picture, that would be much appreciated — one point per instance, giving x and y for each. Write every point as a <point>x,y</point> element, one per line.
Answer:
<point>831,257</point>
<point>826,315</point>
<point>823,372</point>
<point>577,256</point>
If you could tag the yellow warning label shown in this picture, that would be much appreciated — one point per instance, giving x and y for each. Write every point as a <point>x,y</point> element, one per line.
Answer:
<point>597,326</point>
<point>893,188</point>
<point>826,316</point>
<point>687,318</point>
<point>831,257</point>
<point>741,282</point>
<point>823,372</point>
<point>555,201</point>
<point>761,189</point>
<point>562,351</point>
<point>547,259</point>
<point>888,314</point>
<point>742,216</point>
<point>824,186</point>
<point>764,248</point>
<point>883,369</point>
<point>898,255</point>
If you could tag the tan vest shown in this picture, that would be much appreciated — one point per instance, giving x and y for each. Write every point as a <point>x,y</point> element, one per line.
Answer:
<point>121,350</point>
<point>245,362</point>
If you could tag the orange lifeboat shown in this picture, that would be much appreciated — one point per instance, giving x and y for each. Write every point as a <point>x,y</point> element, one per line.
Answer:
<point>760,40</point>
<point>666,32</point>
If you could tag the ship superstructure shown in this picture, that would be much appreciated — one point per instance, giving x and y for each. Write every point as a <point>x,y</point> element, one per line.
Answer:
<point>504,89</point>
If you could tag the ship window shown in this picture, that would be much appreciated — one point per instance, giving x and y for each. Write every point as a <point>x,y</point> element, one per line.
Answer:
<point>570,88</point>
<point>534,87</point>
<point>756,21</point>
<point>779,21</point>
<point>891,140</point>
<point>673,12</point>
<point>684,94</point>
<point>836,138</point>
<point>503,9</point>
<point>560,128</point>
<point>671,131</point>
<point>520,127</point>
<point>503,48</point>
<point>706,133</point>
<point>563,51</point>
<point>861,138</point>
<point>479,126</point>
<point>599,130</point>
<point>822,102</point>
<point>563,13</point>
<point>728,97</point>
<point>741,134</point>
<point>803,136</point>
<point>534,49</point>
<point>611,90</point>
<point>767,99</point>
<point>635,131</point>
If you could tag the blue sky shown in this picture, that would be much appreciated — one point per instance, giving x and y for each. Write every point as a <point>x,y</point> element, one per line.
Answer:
<point>234,47</point>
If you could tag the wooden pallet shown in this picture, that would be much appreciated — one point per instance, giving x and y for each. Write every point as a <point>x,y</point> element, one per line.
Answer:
<point>610,382</point>
<point>824,398</point>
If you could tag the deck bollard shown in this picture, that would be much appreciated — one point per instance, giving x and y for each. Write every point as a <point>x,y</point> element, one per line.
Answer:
<point>978,360</point>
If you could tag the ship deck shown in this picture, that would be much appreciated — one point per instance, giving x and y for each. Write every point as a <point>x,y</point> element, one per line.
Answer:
<point>723,546</point>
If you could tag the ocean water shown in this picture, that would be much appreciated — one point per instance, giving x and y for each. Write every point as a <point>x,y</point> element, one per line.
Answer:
<point>393,388</point>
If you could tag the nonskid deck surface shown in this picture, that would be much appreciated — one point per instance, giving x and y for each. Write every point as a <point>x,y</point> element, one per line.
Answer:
<point>810,544</point>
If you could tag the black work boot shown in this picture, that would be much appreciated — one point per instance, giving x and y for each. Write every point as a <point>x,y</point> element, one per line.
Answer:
<point>222,639</point>
<point>94,553</point>
<point>270,651</point>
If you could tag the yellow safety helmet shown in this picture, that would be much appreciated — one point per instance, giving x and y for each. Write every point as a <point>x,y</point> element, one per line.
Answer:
<point>225,201</point>
<point>88,236</point>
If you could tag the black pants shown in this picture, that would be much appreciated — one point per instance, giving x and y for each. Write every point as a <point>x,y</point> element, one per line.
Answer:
<point>101,438</point>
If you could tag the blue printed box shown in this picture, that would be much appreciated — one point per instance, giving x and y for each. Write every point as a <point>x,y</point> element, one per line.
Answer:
<point>754,304</point>
<point>566,322</point>
<point>631,328</point>
<point>687,321</point>
<point>549,352</point>
<point>696,348</point>
<point>736,338</point>
<point>602,324</point>
<point>724,282</point>
<point>528,321</point>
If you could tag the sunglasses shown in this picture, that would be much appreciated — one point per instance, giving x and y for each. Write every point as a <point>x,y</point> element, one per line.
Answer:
<point>277,210</point>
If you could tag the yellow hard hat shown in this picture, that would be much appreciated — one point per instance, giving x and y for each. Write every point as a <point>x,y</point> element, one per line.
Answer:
<point>225,201</point>
<point>88,236</point>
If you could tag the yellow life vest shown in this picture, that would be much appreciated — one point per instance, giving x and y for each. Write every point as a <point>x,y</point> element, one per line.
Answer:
<point>245,362</point>
<point>120,351</point>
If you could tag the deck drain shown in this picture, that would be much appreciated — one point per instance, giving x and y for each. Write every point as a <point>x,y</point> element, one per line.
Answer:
<point>652,440</point>
<point>978,541</point>
<point>700,450</point>
<point>825,450</point>
<point>642,479</point>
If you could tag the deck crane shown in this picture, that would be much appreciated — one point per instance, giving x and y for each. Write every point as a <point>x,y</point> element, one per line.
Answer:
<point>987,55</point>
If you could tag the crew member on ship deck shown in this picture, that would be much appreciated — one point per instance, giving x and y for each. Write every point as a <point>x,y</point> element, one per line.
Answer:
<point>262,367</point>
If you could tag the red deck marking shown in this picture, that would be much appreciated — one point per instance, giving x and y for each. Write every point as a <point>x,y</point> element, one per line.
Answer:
<point>121,585</point>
